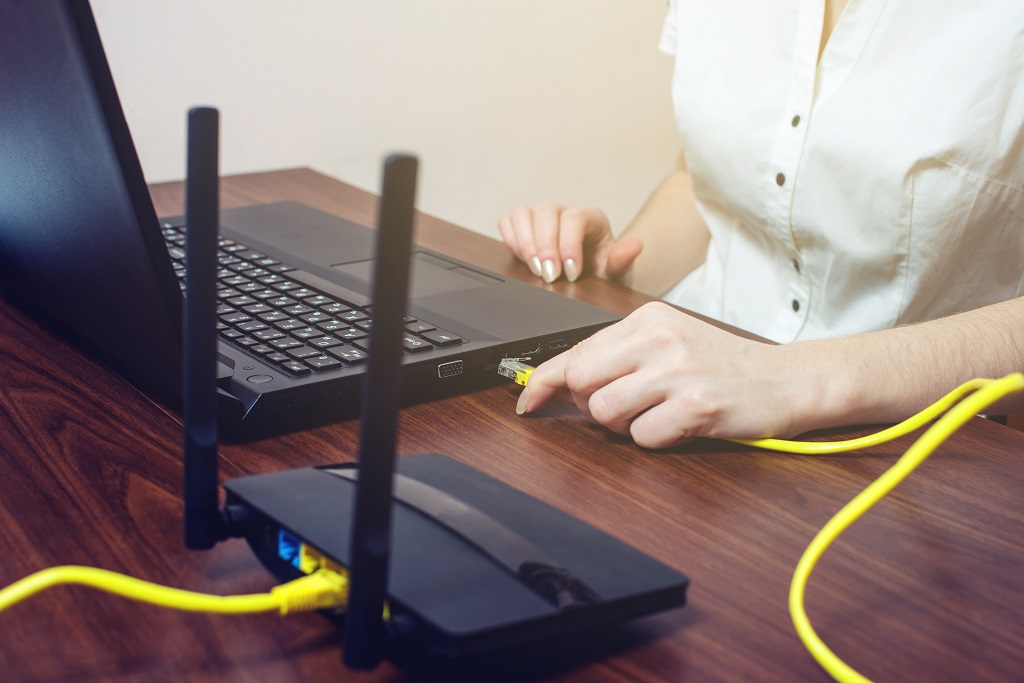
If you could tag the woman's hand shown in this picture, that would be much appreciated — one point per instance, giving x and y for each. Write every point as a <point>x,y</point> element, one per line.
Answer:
<point>554,240</point>
<point>663,377</point>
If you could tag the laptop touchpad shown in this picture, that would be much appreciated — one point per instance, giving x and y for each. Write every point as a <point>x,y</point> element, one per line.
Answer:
<point>430,275</point>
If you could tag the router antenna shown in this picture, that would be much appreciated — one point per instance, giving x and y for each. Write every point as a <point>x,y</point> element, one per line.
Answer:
<point>204,524</point>
<point>371,522</point>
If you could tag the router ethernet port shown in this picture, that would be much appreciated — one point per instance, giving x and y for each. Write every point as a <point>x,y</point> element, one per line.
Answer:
<point>289,547</point>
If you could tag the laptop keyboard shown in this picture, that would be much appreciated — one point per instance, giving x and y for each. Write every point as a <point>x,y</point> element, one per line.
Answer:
<point>269,314</point>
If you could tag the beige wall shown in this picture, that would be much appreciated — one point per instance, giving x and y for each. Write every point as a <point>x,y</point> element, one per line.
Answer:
<point>505,102</point>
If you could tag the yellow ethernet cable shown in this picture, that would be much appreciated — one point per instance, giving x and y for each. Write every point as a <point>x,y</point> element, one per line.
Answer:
<point>986,392</point>
<point>903,428</point>
<point>323,589</point>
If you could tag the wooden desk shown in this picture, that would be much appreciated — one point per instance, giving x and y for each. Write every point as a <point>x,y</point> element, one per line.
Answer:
<point>929,586</point>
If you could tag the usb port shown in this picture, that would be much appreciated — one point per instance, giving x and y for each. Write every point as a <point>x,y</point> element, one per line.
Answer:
<point>557,344</point>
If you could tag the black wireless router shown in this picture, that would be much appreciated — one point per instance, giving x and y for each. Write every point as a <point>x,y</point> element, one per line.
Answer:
<point>464,563</point>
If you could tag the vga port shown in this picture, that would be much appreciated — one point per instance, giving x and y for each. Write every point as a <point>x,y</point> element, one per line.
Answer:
<point>450,369</point>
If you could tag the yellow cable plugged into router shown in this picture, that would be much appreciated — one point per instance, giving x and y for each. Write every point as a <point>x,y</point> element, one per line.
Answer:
<point>323,589</point>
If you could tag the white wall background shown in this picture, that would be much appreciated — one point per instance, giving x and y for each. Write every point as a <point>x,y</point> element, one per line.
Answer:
<point>506,102</point>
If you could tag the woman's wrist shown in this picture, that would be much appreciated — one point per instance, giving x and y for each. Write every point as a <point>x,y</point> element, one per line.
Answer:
<point>824,389</point>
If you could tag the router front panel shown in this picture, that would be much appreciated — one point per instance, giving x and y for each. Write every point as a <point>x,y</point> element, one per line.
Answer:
<point>461,600</point>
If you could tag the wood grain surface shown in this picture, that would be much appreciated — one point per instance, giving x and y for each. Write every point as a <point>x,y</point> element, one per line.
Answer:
<point>927,587</point>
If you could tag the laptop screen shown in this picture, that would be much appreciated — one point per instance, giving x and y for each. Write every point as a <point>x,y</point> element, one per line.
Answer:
<point>79,240</point>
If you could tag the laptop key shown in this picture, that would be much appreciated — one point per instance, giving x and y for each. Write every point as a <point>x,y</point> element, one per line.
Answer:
<point>296,368</point>
<point>301,352</point>
<point>280,301</point>
<point>285,344</point>
<point>289,325</point>
<point>250,254</point>
<point>254,273</point>
<point>268,335</point>
<point>319,300</point>
<point>306,333</point>
<point>353,316</point>
<point>251,326</point>
<point>351,334</point>
<point>368,309</point>
<point>273,316</point>
<point>325,342</point>
<point>235,318</point>
<point>297,309</point>
<point>250,287</point>
<point>442,338</point>
<point>332,326</point>
<point>335,308</point>
<point>420,327</point>
<point>235,281</point>
<point>321,363</point>
<point>414,345</point>
<point>349,354</point>
<point>314,318</point>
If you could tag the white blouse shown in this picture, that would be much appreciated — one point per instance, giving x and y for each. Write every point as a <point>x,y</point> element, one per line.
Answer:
<point>881,186</point>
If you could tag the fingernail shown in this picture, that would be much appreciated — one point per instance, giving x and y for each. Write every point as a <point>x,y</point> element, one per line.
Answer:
<point>535,266</point>
<point>549,271</point>
<point>524,402</point>
<point>572,271</point>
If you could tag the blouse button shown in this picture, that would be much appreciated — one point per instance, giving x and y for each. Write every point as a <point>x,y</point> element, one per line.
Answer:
<point>796,266</point>
<point>796,306</point>
<point>796,121</point>
<point>780,180</point>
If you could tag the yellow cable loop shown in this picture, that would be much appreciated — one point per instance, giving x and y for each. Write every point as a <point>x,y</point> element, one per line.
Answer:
<point>987,392</point>
<point>894,432</point>
<point>321,590</point>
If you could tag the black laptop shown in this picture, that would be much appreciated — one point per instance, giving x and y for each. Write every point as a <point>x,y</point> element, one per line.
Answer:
<point>80,245</point>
